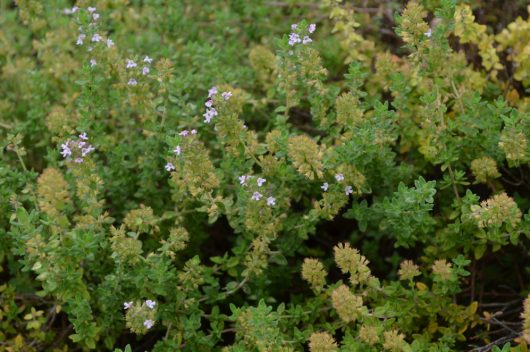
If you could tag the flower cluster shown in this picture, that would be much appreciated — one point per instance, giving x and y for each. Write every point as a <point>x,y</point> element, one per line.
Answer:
<point>322,342</point>
<point>314,273</point>
<point>89,33</point>
<point>347,305</point>
<point>140,317</point>
<point>349,175</point>
<point>178,149</point>
<point>349,260</point>
<point>134,68</point>
<point>484,169</point>
<point>76,150</point>
<point>408,270</point>
<point>257,195</point>
<point>211,112</point>
<point>296,35</point>
<point>496,211</point>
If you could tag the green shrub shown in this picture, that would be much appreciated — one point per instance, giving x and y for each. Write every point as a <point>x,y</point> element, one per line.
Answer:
<point>264,176</point>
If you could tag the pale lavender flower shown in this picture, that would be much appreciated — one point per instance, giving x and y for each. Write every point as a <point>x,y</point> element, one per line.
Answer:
<point>306,40</point>
<point>271,201</point>
<point>212,91</point>
<point>80,144</point>
<point>127,305</point>
<point>90,49</point>
<point>256,196</point>
<point>184,133</point>
<point>78,160</point>
<point>95,16</point>
<point>169,167</point>
<point>243,180</point>
<point>428,34</point>
<point>311,28</point>
<point>65,150</point>
<point>150,304</point>
<point>149,323</point>
<point>226,95</point>
<point>209,115</point>
<point>110,43</point>
<point>93,62</point>
<point>145,70</point>
<point>194,131</point>
<point>148,59</point>
<point>75,9</point>
<point>261,181</point>
<point>83,136</point>
<point>325,186</point>
<point>209,103</point>
<point>91,9</point>
<point>339,177</point>
<point>132,82</point>
<point>85,151</point>
<point>130,64</point>
<point>294,26</point>
<point>348,190</point>
<point>96,38</point>
<point>80,39</point>
<point>177,150</point>
<point>294,38</point>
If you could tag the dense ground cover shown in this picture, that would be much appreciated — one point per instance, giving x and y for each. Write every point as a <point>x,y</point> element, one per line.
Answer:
<point>264,175</point>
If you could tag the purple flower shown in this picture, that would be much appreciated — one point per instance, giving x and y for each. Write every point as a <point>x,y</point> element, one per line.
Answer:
<point>127,305</point>
<point>294,38</point>
<point>148,60</point>
<point>91,9</point>
<point>256,196</point>
<point>130,64</point>
<point>93,62</point>
<point>348,190</point>
<point>311,28</point>
<point>339,177</point>
<point>96,38</point>
<point>212,91</point>
<point>145,70</point>
<point>150,304</point>
<point>243,180</point>
<point>95,16</point>
<point>71,11</point>
<point>85,151</point>
<point>261,181</point>
<point>78,160</point>
<point>110,43</point>
<point>294,26</point>
<point>169,167</point>
<point>271,201</point>
<point>209,115</point>
<point>83,136</point>
<point>149,323</point>
<point>66,151</point>
<point>428,34</point>
<point>194,131</point>
<point>177,150</point>
<point>184,133</point>
<point>80,39</point>
<point>209,103</point>
<point>226,95</point>
<point>132,82</point>
<point>307,40</point>
<point>325,186</point>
